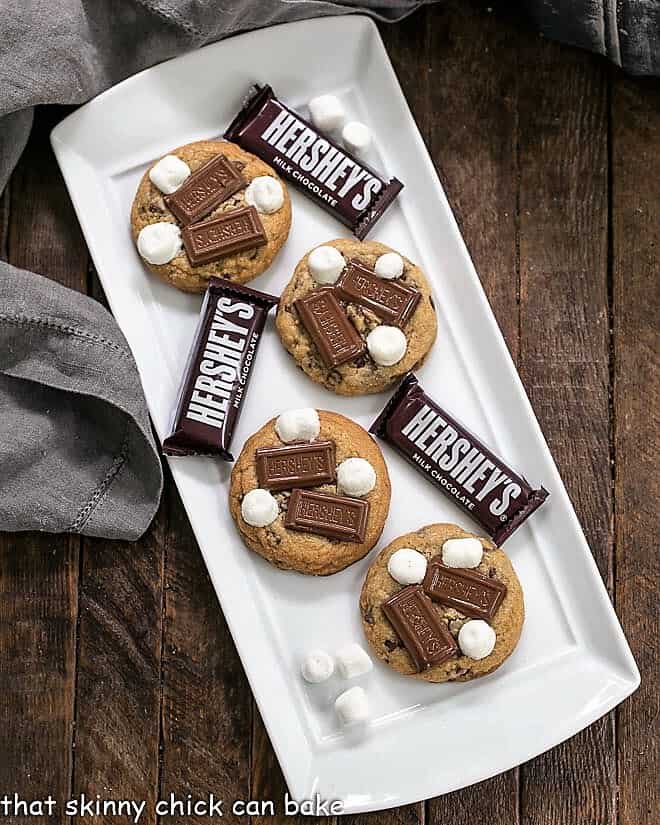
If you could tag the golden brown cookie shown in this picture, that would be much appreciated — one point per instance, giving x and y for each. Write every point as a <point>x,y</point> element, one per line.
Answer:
<point>149,207</point>
<point>362,375</point>
<point>308,552</point>
<point>379,586</point>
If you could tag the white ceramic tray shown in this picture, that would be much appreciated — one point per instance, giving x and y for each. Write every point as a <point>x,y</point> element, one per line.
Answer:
<point>572,664</point>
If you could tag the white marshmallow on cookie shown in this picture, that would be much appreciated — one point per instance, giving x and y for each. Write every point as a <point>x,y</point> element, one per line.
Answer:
<point>352,706</point>
<point>265,194</point>
<point>158,243</point>
<point>259,508</point>
<point>327,113</point>
<point>389,265</point>
<point>356,477</point>
<point>356,137</point>
<point>298,425</point>
<point>325,264</point>
<point>353,661</point>
<point>318,666</point>
<point>169,173</point>
<point>466,552</point>
<point>407,566</point>
<point>476,639</point>
<point>387,345</point>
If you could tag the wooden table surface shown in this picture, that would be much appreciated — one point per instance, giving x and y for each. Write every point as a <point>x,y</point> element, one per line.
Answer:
<point>118,675</point>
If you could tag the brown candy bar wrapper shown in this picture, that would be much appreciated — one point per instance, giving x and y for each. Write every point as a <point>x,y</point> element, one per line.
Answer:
<point>420,628</point>
<point>339,182</point>
<point>456,461</point>
<point>219,366</point>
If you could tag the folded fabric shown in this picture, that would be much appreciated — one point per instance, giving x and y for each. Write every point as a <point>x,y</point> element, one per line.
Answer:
<point>76,449</point>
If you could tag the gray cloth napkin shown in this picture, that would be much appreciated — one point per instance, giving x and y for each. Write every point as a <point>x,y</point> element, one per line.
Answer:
<point>76,449</point>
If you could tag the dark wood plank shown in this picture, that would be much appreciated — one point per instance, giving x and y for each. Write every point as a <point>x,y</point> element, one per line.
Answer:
<point>206,712</point>
<point>636,301</point>
<point>564,357</point>
<point>119,660</point>
<point>473,145</point>
<point>38,572</point>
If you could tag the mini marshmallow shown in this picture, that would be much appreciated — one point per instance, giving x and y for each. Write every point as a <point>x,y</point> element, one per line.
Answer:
<point>387,345</point>
<point>317,667</point>
<point>298,425</point>
<point>389,265</point>
<point>353,661</point>
<point>356,477</point>
<point>265,194</point>
<point>476,639</point>
<point>327,113</point>
<point>407,566</point>
<point>159,242</point>
<point>259,508</point>
<point>356,137</point>
<point>169,173</point>
<point>325,264</point>
<point>352,706</point>
<point>462,552</point>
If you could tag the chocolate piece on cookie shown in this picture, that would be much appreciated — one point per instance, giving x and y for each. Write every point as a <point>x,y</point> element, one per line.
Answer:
<point>458,627</point>
<point>318,527</point>
<point>374,319</point>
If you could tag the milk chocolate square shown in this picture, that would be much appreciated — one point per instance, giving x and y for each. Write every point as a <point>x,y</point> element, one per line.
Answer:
<point>469,592</point>
<point>420,628</point>
<point>208,186</point>
<point>230,232</point>
<point>337,517</point>
<point>296,465</point>
<point>335,337</point>
<point>392,302</point>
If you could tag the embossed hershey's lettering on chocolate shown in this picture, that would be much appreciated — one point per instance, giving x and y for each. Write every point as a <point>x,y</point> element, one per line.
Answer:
<point>419,627</point>
<point>232,232</point>
<point>473,594</point>
<point>337,517</point>
<point>210,185</point>
<point>335,337</point>
<point>296,465</point>
<point>392,302</point>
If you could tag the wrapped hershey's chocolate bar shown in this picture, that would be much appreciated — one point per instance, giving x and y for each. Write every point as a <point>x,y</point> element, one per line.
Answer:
<point>326,172</point>
<point>456,461</point>
<point>219,366</point>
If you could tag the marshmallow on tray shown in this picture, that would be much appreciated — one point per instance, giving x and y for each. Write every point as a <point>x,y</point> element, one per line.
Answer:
<point>327,113</point>
<point>356,137</point>
<point>317,667</point>
<point>352,706</point>
<point>353,661</point>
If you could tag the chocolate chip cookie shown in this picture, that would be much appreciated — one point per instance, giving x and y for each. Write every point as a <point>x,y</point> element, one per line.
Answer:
<point>356,316</point>
<point>439,609</point>
<point>257,186</point>
<point>310,492</point>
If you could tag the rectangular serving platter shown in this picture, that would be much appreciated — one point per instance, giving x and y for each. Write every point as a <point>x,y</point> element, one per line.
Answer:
<point>572,664</point>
